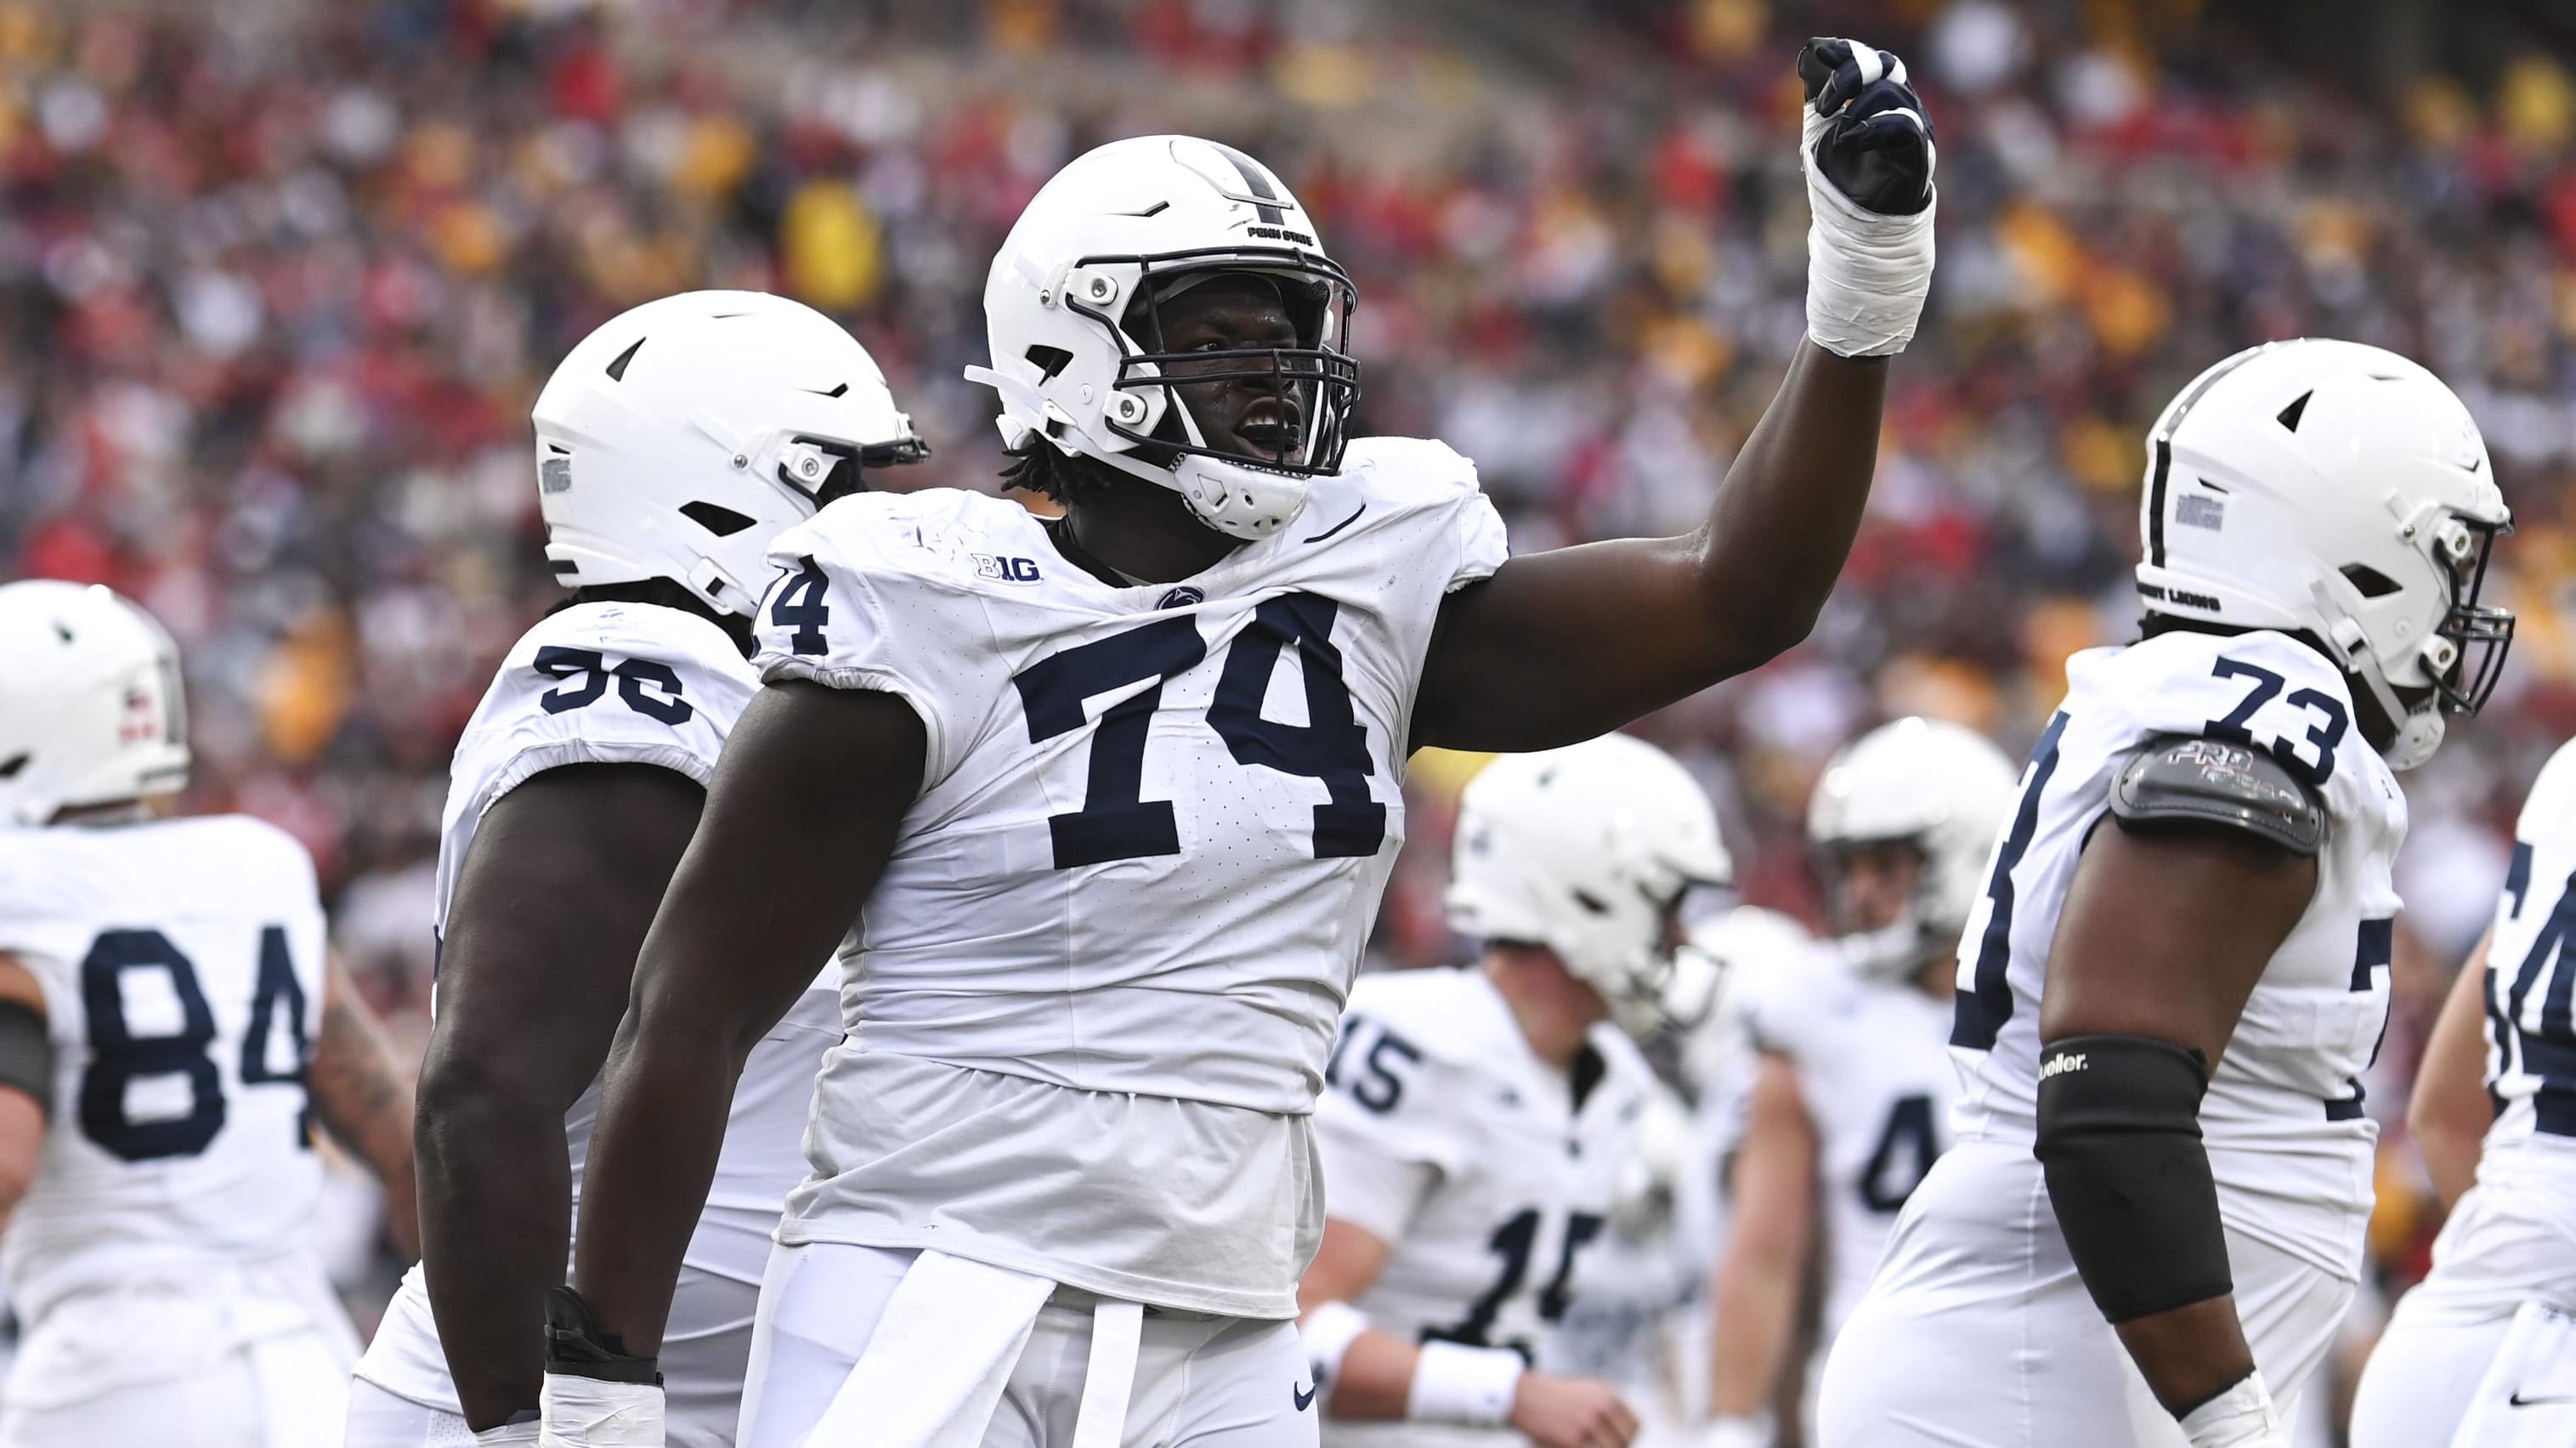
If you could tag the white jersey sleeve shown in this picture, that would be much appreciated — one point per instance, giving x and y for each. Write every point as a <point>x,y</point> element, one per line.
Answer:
<point>1385,1125</point>
<point>2531,983</point>
<point>182,970</point>
<point>595,683</point>
<point>2283,1118</point>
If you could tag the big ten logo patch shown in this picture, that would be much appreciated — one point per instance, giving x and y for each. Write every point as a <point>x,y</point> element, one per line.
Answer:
<point>1006,570</point>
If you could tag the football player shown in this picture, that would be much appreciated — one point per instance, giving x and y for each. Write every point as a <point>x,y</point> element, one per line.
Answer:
<point>170,1030</point>
<point>1849,1099</point>
<point>1120,791</point>
<point>2487,1333</point>
<point>2179,969</point>
<point>672,444</point>
<point>1477,1122</point>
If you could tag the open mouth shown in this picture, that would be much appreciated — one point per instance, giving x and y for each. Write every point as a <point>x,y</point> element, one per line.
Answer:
<point>1271,426</point>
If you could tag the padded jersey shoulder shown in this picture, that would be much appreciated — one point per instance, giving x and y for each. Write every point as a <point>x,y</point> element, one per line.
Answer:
<point>2263,690</point>
<point>634,630</point>
<point>69,876</point>
<point>944,536</point>
<point>1445,1012</point>
<point>2549,811</point>
<point>1786,1004</point>
<point>1409,471</point>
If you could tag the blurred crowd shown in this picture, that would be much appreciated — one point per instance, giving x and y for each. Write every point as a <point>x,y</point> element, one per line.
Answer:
<point>278,282</point>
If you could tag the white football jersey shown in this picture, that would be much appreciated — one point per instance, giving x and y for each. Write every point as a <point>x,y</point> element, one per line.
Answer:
<point>1489,1173</point>
<point>182,969</point>
<point>624,683</point>
<point>1874,1071</point>
<point>1153,829</point>
<point>2288,1140</point>
<point>2531,984</point>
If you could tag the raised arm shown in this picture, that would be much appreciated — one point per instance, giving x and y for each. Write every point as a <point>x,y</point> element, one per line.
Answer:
<point>2140,1001</point>
<point>1622,628</point>
<point>2450,1111</point>
<point>363,1097</point>
<point>553,902</point>
<point>800,820</point>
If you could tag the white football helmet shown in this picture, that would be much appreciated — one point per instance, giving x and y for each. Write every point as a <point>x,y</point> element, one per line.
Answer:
<point>1583,850</point>
<point>91,709</point>
<point>680,437</point>
<point>1080,363</point>
<point>1940,787</point>
<point>2340,491</point>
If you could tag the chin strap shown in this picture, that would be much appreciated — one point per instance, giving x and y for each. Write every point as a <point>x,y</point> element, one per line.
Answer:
<point>2419,731</point>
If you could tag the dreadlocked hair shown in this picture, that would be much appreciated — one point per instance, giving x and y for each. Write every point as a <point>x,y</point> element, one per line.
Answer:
<point>1040,467</point>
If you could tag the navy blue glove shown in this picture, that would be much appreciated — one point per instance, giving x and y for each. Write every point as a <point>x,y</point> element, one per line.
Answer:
<point>1876,146</point>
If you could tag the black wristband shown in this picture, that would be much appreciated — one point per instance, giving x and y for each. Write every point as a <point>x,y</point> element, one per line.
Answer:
<point>27,1053</point>
<point>576,1347</point>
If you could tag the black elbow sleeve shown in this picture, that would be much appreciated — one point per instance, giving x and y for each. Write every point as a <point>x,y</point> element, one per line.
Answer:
<point>27,1053</point>
<point>2119,1144</point>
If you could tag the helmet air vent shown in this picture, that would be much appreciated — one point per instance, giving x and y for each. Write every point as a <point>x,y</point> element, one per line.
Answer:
<point>1049,360</point>
<point>16,762</point>
<point>2291,414</point>
<point>2371,582</point>
<point>617,369</point>
<point>721,521</point>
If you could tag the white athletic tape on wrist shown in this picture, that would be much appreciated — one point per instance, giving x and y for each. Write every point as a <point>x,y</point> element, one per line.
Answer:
<point>1867,274</point>
<point>941,1354</point>
<point>1329,1331</point>
<point>587,1413</point>
<point>510,1435</point>
<point>1454,1383</point>
<point>2241,1417</point>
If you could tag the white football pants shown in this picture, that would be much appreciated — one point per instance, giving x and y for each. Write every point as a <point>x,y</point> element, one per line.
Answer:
<point>2506,1243</point>
<point>978,1357</point>
<point>1977,1332</point>
<point>287,1391</point>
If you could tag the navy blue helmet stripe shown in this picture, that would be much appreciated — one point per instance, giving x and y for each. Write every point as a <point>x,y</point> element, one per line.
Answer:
<point>1258,181</point>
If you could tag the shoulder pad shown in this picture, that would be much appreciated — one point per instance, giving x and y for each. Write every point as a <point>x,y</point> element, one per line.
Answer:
<point>2178,781</point>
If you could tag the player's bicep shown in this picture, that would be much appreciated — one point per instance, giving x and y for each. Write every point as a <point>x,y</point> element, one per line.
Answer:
<point>802,815</point>
<point>2166,929</point>
<point>1618,629</point>
<point>552,903</point>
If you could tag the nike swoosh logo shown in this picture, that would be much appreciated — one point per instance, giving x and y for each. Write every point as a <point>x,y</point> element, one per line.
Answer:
<point>2519,1401</point>
<point>1337,527</point>
<point>1304,1396</point>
